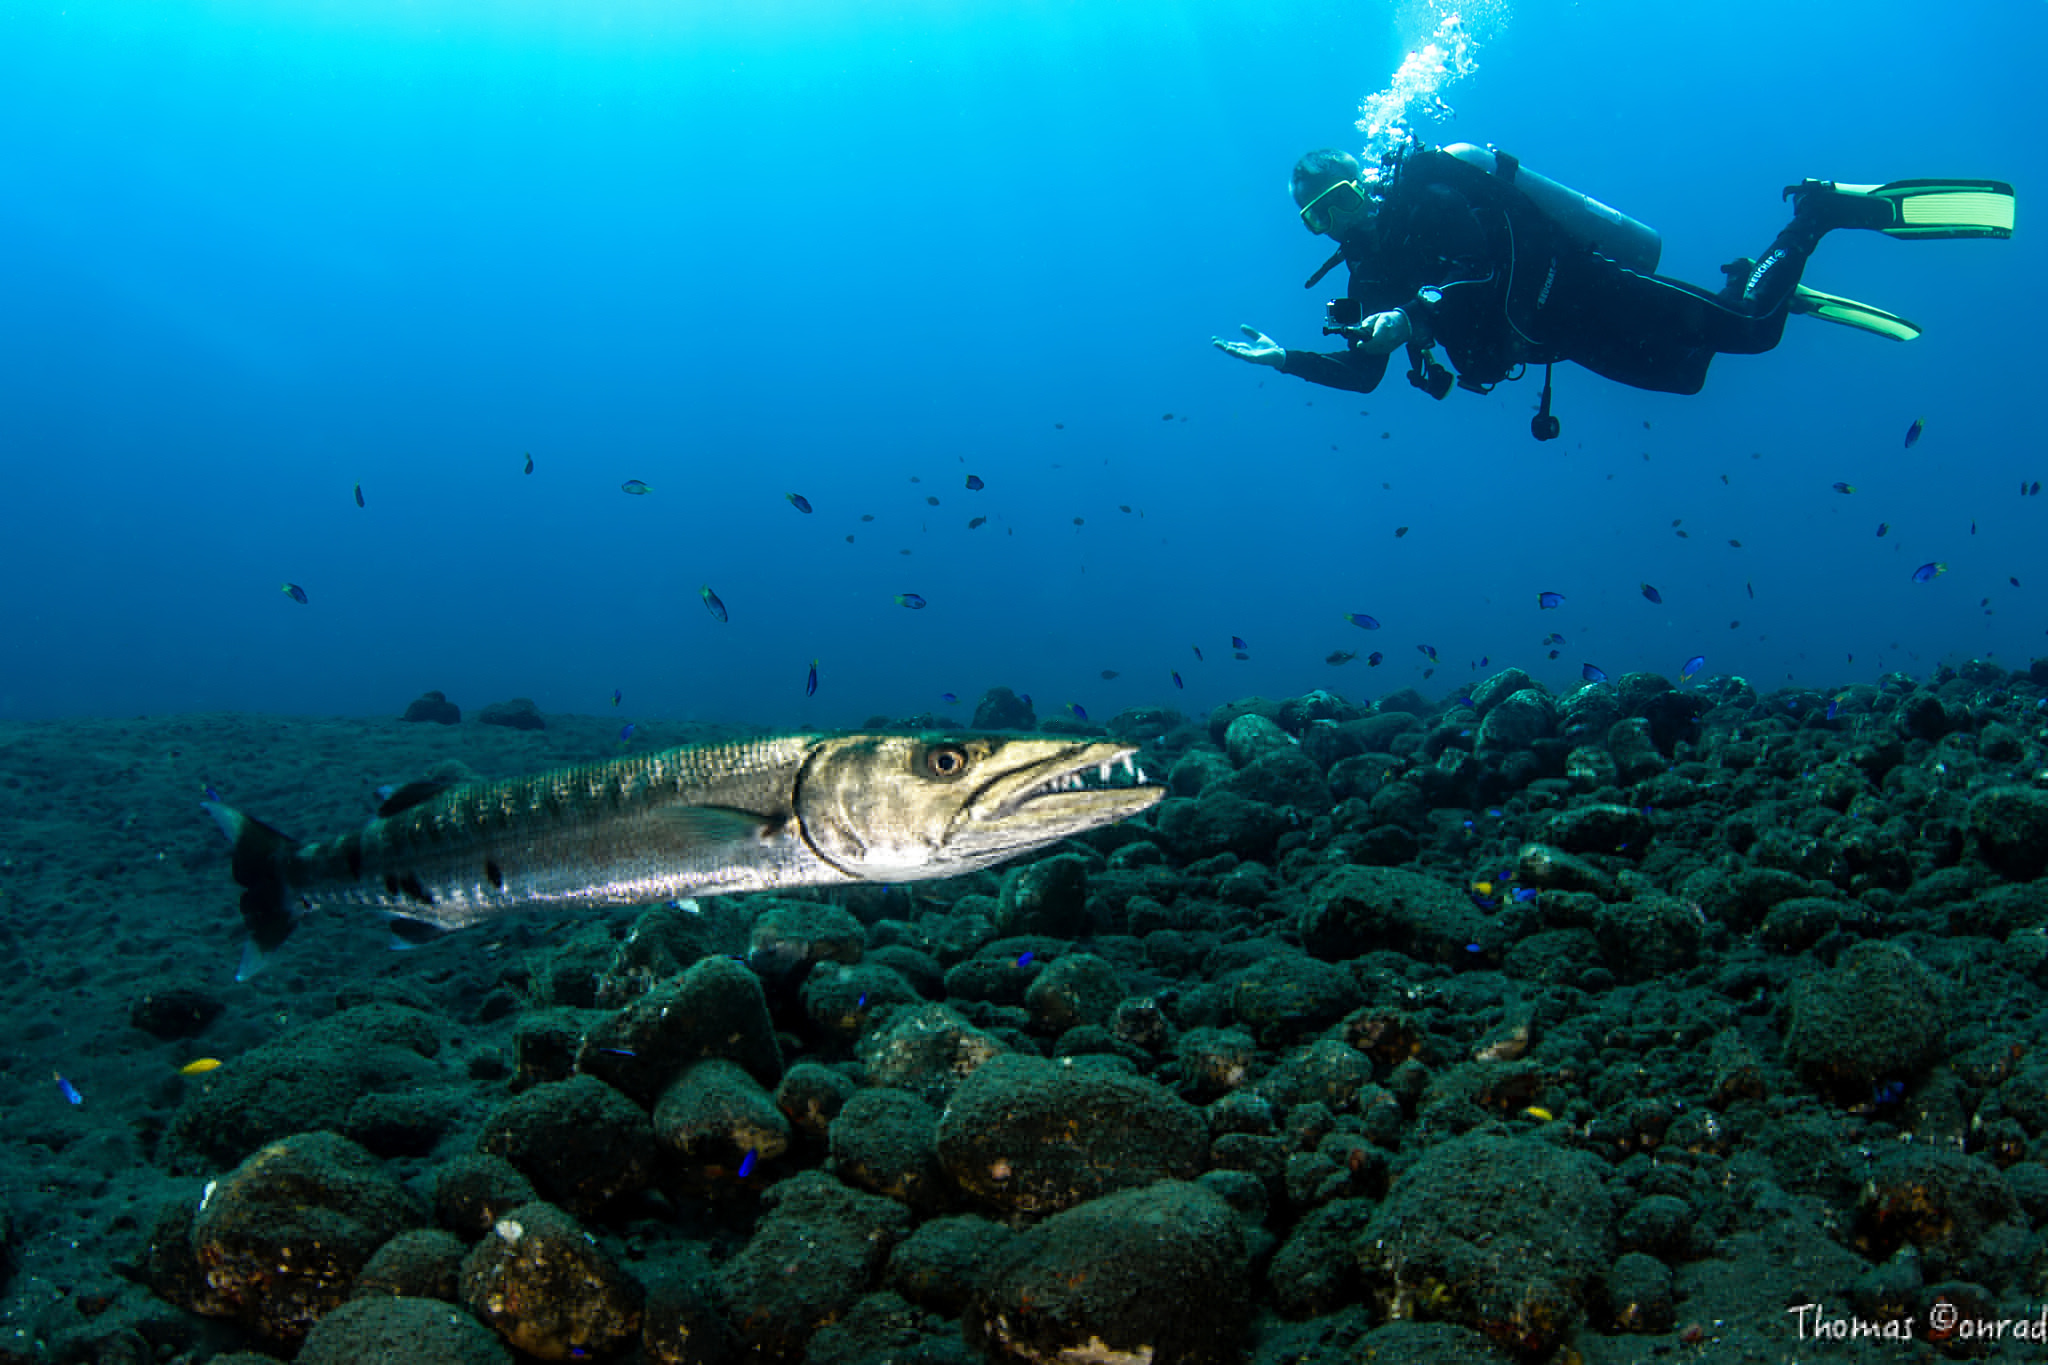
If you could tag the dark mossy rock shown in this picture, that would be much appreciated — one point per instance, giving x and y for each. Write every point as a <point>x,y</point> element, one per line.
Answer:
<point>546,1286</point>
<point>400,1331</point>
<point>1874,1018</point>
<point>581,1143</point>
<point>1002,709</point>
<point>1956,1211</point>
<point>434,707</point>
<point>175,1011</point>
<point>517,714</point>
<point>2011,828</point>
<point>838,1238</point>
<point>1153,1273</point>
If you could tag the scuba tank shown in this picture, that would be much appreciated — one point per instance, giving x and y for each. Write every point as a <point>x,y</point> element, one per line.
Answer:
<point>1583,220</point>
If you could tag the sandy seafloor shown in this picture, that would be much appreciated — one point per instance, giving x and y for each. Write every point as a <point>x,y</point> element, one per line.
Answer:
<point>1780,1040</point>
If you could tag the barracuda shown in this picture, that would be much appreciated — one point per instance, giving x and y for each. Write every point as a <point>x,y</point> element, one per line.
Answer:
<point>702,820</point>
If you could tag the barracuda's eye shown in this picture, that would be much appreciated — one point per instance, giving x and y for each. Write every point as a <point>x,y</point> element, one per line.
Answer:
<point>945,761</point>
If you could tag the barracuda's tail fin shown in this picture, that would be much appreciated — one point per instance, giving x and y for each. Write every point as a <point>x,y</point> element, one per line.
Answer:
<point>260,856</point>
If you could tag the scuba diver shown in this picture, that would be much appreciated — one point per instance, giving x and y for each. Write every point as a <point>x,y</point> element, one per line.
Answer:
<point>1460,246</point>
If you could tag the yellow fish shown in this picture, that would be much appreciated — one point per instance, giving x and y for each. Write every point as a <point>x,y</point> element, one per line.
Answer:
<point>199,1067</point>
<point>1483,888</point>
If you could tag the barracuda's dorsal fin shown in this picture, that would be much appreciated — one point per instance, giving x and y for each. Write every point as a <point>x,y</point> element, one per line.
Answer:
<point>413,794</point>
<point>715,824</point>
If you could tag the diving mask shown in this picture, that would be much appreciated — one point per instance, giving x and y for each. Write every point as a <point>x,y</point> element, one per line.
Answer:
<point>1345,196</point>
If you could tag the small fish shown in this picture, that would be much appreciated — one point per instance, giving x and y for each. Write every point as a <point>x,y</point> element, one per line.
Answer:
<point>626,732</point>
<point>1549,601</point>
<point>974,483</point>
<point>811,682</point>
<point>1883,528</point>
<point>712,604</point>
<point>1973,526</point>
<point>2014,581</point>
<point>1683,535</point>
<point>799,502</point>
<point>747,1164</point>
<point>1400,531</point>
<point>199,1066</point>
<point>1834,708</point>
<point>1079,712</point>
<point>949,699</point>
<point>1841,487</point>
<point>975,523</point>
<point>1339,656</point>
<point>1236,642</point>
<point>211,794</point>
<point>1110,675</point>
<point>1123,507</point>
<point>67,1089</point>
<point>2034,488</point>
<point>1080,521</point>
<point>1592,673</point>
<point>529,462</point>
<point>867,516</point>
<point>1427,651</point>
<point>1691,666</point>
<point>1655,598</point>
<point>1523,894</point>
<point>1734,544</point>
<point>1913,432</point>
<point>636,488</point>
<point>930,501</point>
<point>1024,958</point>
<point>1375,659</point>
<point>1553,654</point>
<point>1751,587</point>
<point>1927,573</point>
<point>1556,637</point>
<point>1240,656</point>
<point>296,593</point>
<point>1176,679</point>
<point>1198,652</point>
<point>359,495</point>
<point>910,600</point>
<point>1361,620</point>
<point>1166,417</point>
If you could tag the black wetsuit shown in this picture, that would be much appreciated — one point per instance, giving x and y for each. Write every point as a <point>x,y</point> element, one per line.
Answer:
<point>1482,272</point>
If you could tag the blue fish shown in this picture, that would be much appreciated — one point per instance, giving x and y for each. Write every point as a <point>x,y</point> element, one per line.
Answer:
<point>799,502</point>
<point>811,683</point>
<point>1361,620</point>
<point>1375,659</point>
<point>1547,601</point>
<point>1176,679</point>
<point>626,733</point>
<point>1079,712</point>
<point>910,600</point>
<point>712,604</point>
<point>1236,642</point>
<point>949,699</point>
<point>1024,958</point>
<point>636,488</point>
<point>1655,598</point>
<point>1554,638</point>
<point>747,1164</point>
<point>1882,528</point>
<point>974,483</point>
<point>359,495</point>
<point>212,795</point>
<point>1841,487</point>
<point>1691,666</point>
<point>617,696</point>
<point>1428,652</point>
<point>68,1090</point>
<point>296,593</point>
<point>1198,652</point>
<point>1927,573</point>
<point>1592,673</point>
<point>1834,707</point>
<point>1913,432</point>
<point>529,462</point>
<point>1523,894</point>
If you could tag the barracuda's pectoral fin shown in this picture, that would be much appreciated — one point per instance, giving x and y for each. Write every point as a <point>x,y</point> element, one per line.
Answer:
<point>707,825</point>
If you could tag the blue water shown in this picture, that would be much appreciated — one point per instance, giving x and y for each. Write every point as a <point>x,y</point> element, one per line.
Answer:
<point>255,254</point>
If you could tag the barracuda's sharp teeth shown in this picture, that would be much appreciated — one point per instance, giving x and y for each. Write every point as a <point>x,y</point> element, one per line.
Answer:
<point>1130,766</point>
<point>1103,772</point>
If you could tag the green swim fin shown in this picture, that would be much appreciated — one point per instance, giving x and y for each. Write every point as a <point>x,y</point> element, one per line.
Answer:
<point>1910,208</point>
<point>1848,312</point>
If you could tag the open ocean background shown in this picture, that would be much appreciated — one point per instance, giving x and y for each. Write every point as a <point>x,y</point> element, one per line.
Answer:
<point>254,254</point>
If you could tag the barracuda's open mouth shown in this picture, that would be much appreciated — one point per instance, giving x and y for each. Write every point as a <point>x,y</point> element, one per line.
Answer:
<point>1093,784</point>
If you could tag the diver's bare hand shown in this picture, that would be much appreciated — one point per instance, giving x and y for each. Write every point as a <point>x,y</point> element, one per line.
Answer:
<point>1381,334</point>
<point>1260,350</point>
